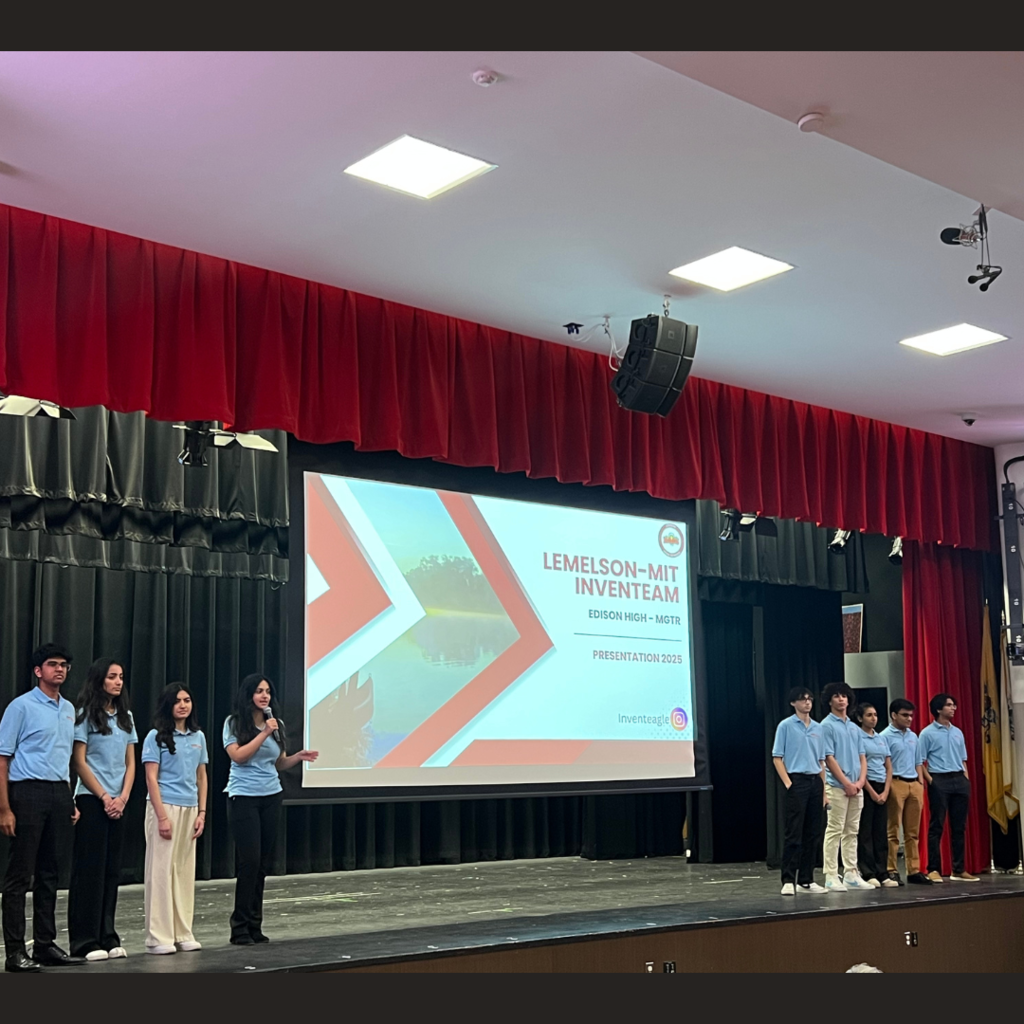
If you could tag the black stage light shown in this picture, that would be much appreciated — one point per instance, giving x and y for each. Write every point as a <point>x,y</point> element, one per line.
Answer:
<point>730,520</point>
<point>838,541</point>
<point>896,555</point>
<point>196,444</point>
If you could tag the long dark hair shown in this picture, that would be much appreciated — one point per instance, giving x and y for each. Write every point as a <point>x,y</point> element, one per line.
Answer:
<point>242,726</point>
<point>163,719</point>
<point>93,700</point>
<point>861,708</point>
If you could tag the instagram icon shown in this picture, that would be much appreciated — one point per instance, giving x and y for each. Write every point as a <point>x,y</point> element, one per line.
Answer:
<point>679,719</point>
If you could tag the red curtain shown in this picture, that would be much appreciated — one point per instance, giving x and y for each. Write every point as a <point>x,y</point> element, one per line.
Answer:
<point>943,609</point>
<point>91,317</point>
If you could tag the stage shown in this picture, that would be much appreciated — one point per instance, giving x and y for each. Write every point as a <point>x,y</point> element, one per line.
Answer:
<point>568,914</point>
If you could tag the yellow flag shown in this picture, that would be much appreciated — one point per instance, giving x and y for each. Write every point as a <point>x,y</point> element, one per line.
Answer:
<point>1007,740</point>
<point>991,733</point>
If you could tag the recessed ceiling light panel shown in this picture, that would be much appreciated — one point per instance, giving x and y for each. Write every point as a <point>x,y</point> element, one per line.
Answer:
<point>731,268</point>
<point>418,168</point>
<point>953,339</point>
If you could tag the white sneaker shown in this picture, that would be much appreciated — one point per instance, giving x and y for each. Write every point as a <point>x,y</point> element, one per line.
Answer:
<point>160,950</point>
<point>97,954</point>
<point>853,881</point>
<point>189,947</point>
<point>118,953</point>
<point>812,887</point>
<point>874,883</point>
<point>834,885</point>
<point>788,889</point>
<point>890,883</point>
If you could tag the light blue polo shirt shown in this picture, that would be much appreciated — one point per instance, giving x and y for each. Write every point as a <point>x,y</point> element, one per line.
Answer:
<point>36,733</point>
<point>105,755</point>
<point>876,750</point>
<point>903,749</point>
<point>943,747</point>
<point>800,746</point>
<point>176,775</point>
<point>844,740</point>
<point>257,776</point>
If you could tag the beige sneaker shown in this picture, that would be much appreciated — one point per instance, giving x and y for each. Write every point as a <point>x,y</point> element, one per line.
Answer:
<point>934,876</point>
<point>963,876</point>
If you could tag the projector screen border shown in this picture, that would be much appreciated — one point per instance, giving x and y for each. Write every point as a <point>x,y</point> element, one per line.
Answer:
<point>343,459</point>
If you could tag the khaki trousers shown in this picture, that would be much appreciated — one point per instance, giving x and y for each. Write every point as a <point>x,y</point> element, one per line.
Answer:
<point>841,830</point>
<point>904,806</point>
<point>170,877</point>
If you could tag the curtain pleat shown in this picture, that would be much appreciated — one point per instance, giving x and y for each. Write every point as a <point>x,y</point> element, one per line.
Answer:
<point>91,317</point>
<point>943,611</point>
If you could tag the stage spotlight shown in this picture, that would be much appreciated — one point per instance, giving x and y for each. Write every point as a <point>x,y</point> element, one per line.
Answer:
<point>730,520</point>
<point>19,405</point>
<point>838,541</point>
<point>200,434</point>
<point>896,555</point>
<point>196,444</point>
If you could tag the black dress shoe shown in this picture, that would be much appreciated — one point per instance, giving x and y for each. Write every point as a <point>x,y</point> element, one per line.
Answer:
<point>259,938</point>
<point>19,963</point>
<point>241,940</point>
<point>54,956</point>
<point>919,879</point>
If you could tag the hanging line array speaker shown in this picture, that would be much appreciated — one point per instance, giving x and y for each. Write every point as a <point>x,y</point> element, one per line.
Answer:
<point>656,364</point>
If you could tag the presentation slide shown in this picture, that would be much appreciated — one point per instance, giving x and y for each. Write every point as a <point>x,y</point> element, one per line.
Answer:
<point>455,639</point>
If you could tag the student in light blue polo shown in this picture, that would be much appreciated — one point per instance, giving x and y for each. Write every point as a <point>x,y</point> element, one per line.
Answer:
<point>174,756</point>
<point>798,754</point>
<point>36,809</point>
<point>943,754</point>
<point>873,832</point>
<point>104,760</point>
<point>255,741</point>
<point>846,770</point>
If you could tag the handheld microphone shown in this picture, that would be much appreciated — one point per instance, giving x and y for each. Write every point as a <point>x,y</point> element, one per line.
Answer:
<point>267,715</point>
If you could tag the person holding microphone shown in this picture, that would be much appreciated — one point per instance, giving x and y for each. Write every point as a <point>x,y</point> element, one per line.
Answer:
<point>254,740</point>
<point>174,757</point>
<point>104,760</point>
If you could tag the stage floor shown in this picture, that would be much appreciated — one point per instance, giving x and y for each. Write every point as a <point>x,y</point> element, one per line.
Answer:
<point>371,917</point>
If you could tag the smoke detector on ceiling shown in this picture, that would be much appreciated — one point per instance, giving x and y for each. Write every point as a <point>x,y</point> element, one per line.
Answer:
<point>485,77</point>
<point>811,122</point>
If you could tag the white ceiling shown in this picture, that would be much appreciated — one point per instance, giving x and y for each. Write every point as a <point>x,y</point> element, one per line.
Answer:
<point>612,169</point>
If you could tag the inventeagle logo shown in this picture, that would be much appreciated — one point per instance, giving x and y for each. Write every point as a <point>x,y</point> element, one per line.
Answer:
<point>680,720</point>
<point>670,540</point>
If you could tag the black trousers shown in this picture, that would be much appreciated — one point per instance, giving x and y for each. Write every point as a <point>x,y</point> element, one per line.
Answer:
<point>803,809</point>
<point>253,822</point>
<point>95,874</point>
<point>873,837</point>
<point>41,843</point>
<point>949,793</point>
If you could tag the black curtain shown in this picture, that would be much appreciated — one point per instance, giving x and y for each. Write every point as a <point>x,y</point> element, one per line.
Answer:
<point>106,491</point>
<point>797,556</point>
<point>802,644</point>
<point>735,731</point>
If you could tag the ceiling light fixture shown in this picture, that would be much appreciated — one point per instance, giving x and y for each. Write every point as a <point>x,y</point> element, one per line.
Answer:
<point>418,168</point>
<point>730,269</point>
<point>959,338</point>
